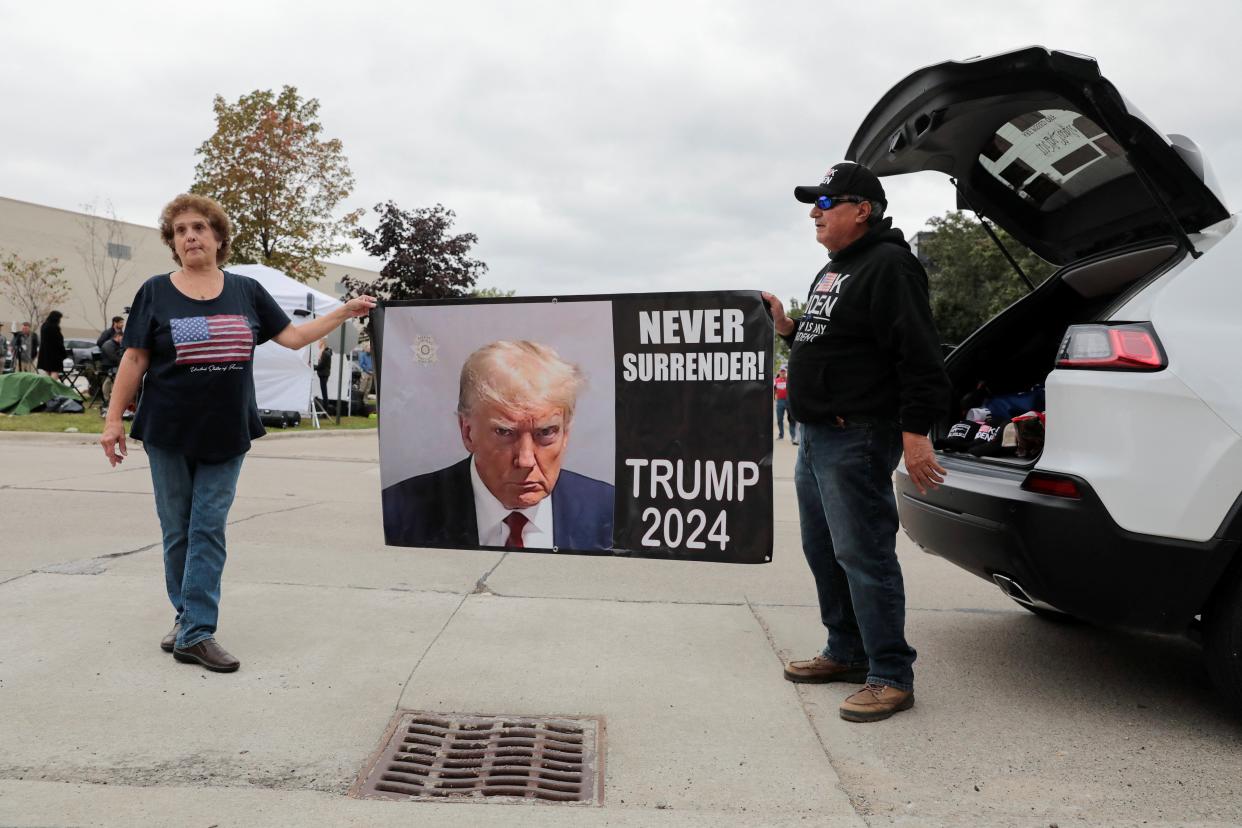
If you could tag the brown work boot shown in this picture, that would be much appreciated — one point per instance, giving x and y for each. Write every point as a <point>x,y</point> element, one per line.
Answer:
<point>209,654</point>
<point>169,641</point>
<point>875,702</point>
<point>820,670</point>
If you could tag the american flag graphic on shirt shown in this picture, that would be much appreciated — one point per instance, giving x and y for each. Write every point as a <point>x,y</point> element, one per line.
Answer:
<point>826,282</point>
<point>220,338</point>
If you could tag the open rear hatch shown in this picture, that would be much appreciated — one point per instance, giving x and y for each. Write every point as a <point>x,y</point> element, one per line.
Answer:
<point>1042,144</point>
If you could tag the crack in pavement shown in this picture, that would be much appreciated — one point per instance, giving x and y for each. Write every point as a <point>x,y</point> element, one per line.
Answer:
<point>480,586</point>
<point>277,512</point>
<point>606,599</point>
<point>363,587</point>
<point>81,566</point>
<point>405,684</point>
<point>312,457</point>
<point>18,488</point>
<point>125,470</point>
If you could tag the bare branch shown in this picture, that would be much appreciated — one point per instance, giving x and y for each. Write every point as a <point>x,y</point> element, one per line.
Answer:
<point>107,249</point>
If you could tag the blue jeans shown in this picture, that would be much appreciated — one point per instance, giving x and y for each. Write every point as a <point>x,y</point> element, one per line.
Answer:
<point>192,500</point>
<point>783,409</point>
<point>849,535</point>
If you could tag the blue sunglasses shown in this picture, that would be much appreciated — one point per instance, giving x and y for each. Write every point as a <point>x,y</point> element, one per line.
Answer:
<point>827,202</point>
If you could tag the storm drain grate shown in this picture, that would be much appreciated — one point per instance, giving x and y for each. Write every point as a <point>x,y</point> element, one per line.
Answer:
<point>457,756</point>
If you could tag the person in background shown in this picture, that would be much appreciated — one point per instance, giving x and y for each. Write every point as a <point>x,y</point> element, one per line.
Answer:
<point>52,354</point>
<point>190,344</point>
<point>323,367</point>
<point>4,347</point>
<point>780,388</point>
<point>111,353</point>
<point>117,326</point>
<point>367,365</point>
<point>25,346</point>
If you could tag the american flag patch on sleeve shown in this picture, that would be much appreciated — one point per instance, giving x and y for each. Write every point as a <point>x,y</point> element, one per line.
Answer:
<point>220,338</point>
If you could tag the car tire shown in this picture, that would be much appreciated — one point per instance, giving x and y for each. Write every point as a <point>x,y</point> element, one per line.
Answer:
<point>1222,637</point>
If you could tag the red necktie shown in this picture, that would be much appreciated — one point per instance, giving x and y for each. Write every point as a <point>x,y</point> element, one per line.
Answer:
<point>515,521</point>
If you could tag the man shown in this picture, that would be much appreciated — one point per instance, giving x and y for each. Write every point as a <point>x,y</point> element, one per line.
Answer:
<point>117,327</point>
<point>323,368</point>
<point>780,389</point>
<point>515,410</point>
<point>25,347</point>
<point>109,361</point>
<point>4,349</point>
<point>866,383</point>
<point>367,366</point>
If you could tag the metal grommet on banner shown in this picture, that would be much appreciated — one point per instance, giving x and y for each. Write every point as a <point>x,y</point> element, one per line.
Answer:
<point>555,549</point>
<point>554,300</point>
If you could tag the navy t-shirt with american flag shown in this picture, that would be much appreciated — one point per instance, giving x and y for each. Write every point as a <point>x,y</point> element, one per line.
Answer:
<point>198,396</point>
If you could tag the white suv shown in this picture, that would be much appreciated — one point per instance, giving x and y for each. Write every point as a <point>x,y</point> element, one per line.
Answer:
<point>1132,513</point>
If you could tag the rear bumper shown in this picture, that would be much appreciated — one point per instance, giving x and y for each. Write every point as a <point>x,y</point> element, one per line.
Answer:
<point>1068,554</point>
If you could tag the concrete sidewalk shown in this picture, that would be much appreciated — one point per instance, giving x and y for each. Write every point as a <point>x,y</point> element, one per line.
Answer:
<point>336,632</point>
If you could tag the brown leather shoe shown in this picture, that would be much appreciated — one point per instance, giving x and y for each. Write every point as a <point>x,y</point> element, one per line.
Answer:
<point>820,670</point>
<point>169,641</point>
<point>209,654</point>
<point>875,702</point>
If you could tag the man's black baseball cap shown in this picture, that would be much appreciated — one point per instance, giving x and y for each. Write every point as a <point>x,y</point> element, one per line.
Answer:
<point>846,178</point>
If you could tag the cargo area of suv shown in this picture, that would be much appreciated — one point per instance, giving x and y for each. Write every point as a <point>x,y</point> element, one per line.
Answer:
<point>1016,350</point>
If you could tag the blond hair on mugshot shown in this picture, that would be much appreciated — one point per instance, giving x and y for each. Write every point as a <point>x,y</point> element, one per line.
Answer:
<point>519,376</point>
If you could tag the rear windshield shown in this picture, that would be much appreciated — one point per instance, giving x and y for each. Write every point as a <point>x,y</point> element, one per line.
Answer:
<point>1051,156</point>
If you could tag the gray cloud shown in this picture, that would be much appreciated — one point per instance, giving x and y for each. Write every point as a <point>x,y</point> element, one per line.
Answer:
<point>592,148</point>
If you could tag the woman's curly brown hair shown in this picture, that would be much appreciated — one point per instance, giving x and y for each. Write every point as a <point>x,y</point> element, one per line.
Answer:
<point>210,209</point>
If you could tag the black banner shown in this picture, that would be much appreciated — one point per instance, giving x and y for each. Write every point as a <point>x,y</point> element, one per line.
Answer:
<point>616,424</point>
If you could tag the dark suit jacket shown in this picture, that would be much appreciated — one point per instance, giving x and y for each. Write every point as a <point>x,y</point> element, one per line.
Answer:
<point>437,509</point>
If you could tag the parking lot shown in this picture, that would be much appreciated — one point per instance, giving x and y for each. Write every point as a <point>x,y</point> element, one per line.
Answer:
<point>1018,721</point>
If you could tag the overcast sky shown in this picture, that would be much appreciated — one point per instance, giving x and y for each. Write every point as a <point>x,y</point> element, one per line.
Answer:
<point>592,147</point>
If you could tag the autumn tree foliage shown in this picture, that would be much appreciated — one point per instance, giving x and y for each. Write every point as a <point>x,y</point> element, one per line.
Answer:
<point>280,181</point>
<point>34,286</point>
<point>422,257</point>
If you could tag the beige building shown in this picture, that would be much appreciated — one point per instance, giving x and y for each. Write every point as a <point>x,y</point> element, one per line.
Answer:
<point>132,251</point>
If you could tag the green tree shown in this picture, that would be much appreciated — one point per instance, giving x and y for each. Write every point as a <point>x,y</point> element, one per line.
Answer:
<point>34,286</point>
<point>279,180</point>
<point>970,279</point>
<point>422,258</point>
<point>491,293</point>
<point>793,310</point>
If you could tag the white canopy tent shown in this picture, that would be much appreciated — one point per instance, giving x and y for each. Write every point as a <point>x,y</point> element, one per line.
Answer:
<point>283,379</point>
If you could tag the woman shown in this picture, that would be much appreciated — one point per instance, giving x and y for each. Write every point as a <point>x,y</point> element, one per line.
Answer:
<point>192,334</point>
<point>324,369</point>
<point>51,346</point>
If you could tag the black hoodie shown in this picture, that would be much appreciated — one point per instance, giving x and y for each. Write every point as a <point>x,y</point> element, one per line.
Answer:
<point>867,344</point>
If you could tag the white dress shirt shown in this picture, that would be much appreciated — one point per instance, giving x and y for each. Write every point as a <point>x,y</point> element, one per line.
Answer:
<point>490,514</point>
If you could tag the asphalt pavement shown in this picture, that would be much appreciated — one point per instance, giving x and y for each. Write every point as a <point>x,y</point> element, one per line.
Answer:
<point>1018,721</point>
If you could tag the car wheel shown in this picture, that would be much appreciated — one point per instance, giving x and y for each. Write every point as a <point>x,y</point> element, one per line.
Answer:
<point>1222,637</point>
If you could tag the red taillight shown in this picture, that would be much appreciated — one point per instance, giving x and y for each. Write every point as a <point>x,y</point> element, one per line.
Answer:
<point>1051,484</point>
<point>1111,348</point>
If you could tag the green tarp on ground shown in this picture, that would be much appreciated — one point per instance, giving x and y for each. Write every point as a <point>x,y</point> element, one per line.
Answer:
<point>22,393</point>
